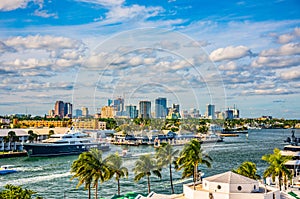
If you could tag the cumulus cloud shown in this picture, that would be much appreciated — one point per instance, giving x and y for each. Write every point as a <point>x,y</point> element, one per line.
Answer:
<point>43,42</point>
<point>8,5</point>
<point>276,62</point>
<point>286,49</point>
<point>45,14</point>
<point>286,38</point>
<point>4,48</point>
<point>230,53</point>
<point>278,91</point>
<point>291,74</point>
<point>228,66</point>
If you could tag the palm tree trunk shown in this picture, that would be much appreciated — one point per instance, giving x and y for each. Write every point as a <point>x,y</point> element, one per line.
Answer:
<point>89,191</point>
<point>118,187</point>
<point>171,178</point>
<point>96,190</point>
<point>279,178</point>
<point>195,174</point>
<point>148,177</point>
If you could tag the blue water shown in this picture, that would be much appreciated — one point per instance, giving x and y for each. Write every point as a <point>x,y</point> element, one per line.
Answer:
<point>50,177</point>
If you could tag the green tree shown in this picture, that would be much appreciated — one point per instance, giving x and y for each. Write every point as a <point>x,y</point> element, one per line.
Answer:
<point>189,159</point>
<point>144,167</point>
<point>16,192</point>
<point>32,136</point>
<point>114,163</point>
<point>51,132</point>
<point>166,155</point>
<point>90,168</point>
<point>277,166</point>
<point>247,169</point>
<point>12,138</point>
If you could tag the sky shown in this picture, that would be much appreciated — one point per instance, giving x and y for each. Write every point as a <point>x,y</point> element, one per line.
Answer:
<point>228,53</point>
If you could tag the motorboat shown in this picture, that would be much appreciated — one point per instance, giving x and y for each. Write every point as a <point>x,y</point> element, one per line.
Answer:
<point>7,169</point>
<point>70,143</point>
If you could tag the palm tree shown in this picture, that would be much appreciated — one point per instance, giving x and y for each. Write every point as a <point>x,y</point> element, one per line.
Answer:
<point>51,132</point>
<point>83,172</point>
<point>89,168</point>
<point>12,138</point>
<point>32,136</point>
<point>114,164</point>
<point>247,169</point>
<point>190,157</point>
<point>166,156</point>
<point>144,166</point>
<point>277,166</point>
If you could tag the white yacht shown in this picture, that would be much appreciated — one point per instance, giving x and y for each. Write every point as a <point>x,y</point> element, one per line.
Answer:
<point>71,143</point>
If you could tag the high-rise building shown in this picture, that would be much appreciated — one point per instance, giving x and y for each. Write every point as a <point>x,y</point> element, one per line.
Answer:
<point>107,112</point>
<point>145,109</point>
<point>59,109</point>
<point>160,107</point>
<point>210,111</point>
<point>78,113</point>
<point>118,104</point>
<point>131,111</point>
<point>176,108</point>
<point>109,102</point>
<point>68,110</point>
<point>85,111</point>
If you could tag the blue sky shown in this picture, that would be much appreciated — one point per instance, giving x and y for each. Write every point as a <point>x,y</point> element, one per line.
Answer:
<point>243,53</point>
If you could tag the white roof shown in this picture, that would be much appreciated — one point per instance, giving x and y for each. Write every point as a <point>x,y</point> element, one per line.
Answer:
<point>230,178</point>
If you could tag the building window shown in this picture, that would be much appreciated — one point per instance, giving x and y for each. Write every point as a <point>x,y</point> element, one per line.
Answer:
<point>219,186</point>
<point>254,187</point>
<point>239,188</point>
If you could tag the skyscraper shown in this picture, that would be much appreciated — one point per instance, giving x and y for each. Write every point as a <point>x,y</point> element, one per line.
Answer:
<point>210,111</point>
<point>160,107</point>
<point>145,109</point>
<point>59,109</point>
<point>131,111</point>
<point>68,109</point>
<point>118,104</point>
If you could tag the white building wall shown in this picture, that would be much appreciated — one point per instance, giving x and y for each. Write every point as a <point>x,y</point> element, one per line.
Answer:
<point>246,188</point>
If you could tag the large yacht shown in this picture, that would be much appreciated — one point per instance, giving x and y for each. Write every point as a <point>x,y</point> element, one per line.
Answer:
<point>71,143</point>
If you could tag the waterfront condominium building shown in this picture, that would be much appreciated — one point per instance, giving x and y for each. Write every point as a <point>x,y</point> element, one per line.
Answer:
<point>210,111</point>
<point>131,111</point>
<point>160,107</point>
<point>145,109</point>
<point>85,111</point>
<point>59,109</point>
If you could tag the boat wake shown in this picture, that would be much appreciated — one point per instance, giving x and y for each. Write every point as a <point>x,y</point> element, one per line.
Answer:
<point>36,179</point>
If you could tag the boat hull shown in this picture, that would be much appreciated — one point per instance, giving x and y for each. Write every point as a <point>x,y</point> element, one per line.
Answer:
<point>47,150</point>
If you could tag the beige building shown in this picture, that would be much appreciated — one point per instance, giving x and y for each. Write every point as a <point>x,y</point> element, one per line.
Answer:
<point>107,112</point>
<point>43,123</point>
<point>89,124</point>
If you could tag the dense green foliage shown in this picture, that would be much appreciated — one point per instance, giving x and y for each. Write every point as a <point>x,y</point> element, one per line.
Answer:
<point>16,192</point>
<point>247,169</point>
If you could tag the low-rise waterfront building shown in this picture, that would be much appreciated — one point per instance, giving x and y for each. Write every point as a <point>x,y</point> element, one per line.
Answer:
<point>89,124</point>
<point>43,123</point>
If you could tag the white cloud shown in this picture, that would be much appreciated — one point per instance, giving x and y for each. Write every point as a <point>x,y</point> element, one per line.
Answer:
<point>291,74</point>
<point>229,53</point>
<point>228,66</point>
<point>107,3</point>
<point>286,49</point>
<point>42,42</point>
<point>286,38</point>
<point>8,5</point>
<point>123,13</point>
<point>276,62</point>
<point>44,14</point>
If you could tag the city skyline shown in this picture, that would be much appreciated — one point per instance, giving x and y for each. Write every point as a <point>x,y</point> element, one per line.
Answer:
<point>193,53</point>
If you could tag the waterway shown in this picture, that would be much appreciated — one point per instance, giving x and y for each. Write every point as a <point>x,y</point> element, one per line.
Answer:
<point>50,177</point>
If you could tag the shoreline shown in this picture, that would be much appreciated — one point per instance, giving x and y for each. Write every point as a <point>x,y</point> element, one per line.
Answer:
<point>13,154</point>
